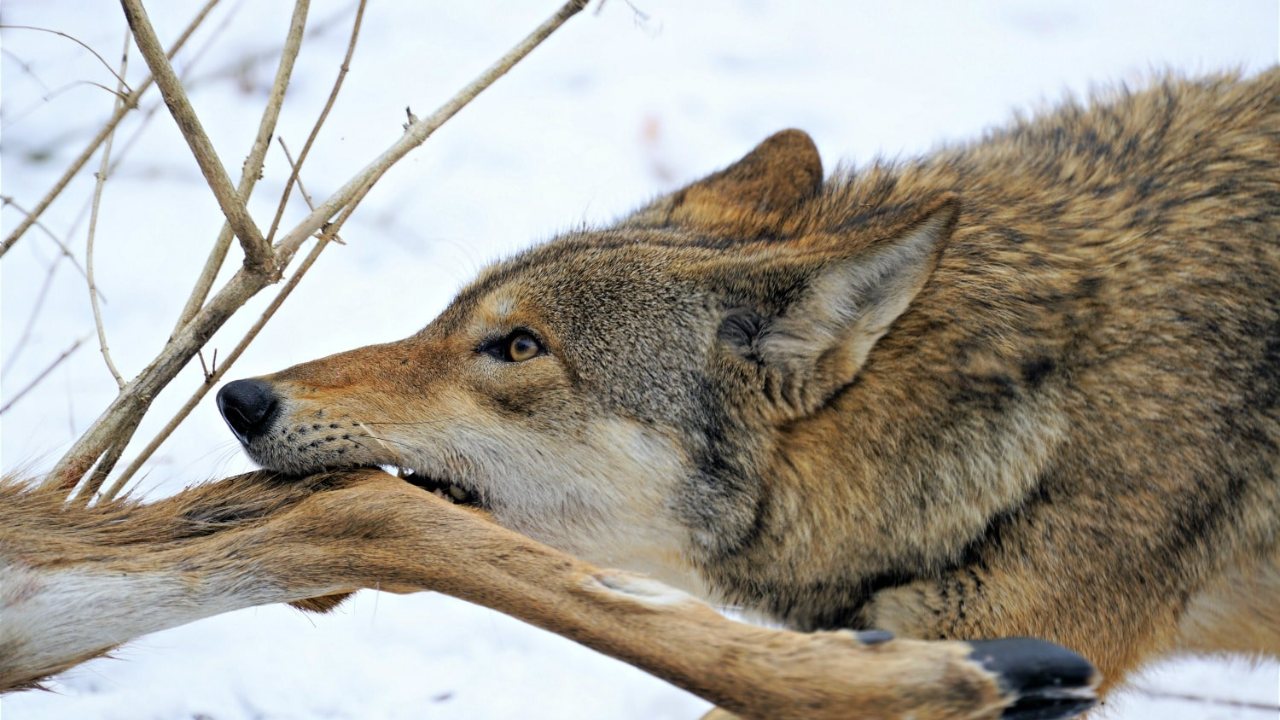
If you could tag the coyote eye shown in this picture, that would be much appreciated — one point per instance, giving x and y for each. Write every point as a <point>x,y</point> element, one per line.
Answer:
<point>522,346</point>
<point>518,346</point>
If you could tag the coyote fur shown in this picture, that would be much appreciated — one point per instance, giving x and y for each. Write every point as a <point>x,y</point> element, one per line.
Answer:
<point>1024,386</point>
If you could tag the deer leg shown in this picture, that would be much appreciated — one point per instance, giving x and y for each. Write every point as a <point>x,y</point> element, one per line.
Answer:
<point>250,541</point>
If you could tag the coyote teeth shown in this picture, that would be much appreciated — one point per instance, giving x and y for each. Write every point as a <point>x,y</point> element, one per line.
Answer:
<point>443,489</point>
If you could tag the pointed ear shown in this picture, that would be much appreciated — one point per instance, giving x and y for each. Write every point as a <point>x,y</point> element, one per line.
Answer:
<point>819,337</point>
<point>751,196</point>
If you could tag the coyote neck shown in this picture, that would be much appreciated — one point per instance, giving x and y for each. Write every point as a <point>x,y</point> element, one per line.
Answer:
<point>946,487</point>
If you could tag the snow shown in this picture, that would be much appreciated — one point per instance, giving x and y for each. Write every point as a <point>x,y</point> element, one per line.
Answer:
<point>611,110</point>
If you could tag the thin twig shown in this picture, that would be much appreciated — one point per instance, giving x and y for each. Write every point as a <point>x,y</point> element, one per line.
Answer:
<point>25,67</point>
<point>63,248</point>
<point>76,165</point>
<point>43,374</point>
<point>125,410</point>
<point>252,169</point>
<point>319,123</point>
<point>101,181</point>
<point>118,75</point>
<point>302,189</point>
<point>204,369</point>
<point>417,133</point>
<point>12,119</point>
<point>258,255</point>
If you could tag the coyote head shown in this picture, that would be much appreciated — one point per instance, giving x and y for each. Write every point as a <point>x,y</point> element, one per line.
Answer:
<point>615,392</point>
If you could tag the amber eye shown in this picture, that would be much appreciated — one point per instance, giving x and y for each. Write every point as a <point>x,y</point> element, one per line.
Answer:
<point>516,346</point>
<point>522,346</point>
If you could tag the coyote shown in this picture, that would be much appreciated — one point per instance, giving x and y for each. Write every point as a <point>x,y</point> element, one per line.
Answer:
<point>1024,386</point>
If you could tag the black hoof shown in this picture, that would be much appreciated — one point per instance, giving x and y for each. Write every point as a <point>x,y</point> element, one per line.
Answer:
<point>1048,681</point>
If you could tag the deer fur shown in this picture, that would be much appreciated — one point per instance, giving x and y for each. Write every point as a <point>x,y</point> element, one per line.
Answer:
<point>77,581</point>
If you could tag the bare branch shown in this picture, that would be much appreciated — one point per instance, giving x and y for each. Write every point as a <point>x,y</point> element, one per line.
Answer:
<point>43,374</point>
<point>252,169</point>
<point>132,402</point>
<point>76,165</point>
<point>101,181</point>
<point>258,256</point>
<point>319,123</point>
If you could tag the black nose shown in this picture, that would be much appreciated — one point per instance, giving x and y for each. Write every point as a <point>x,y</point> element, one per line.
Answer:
<point>249,407</point>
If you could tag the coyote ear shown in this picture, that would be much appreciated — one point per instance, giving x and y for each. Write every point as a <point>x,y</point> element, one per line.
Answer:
<point>751,196</point>
<point>834,311</point>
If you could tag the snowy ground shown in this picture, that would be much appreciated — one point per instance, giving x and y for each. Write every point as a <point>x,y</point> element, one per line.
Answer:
<point>611,110</point>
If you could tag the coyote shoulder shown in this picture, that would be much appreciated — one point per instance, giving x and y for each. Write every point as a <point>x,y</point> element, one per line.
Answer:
<point>1024,386</point>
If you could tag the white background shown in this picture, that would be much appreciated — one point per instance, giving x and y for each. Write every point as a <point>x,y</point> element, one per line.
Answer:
<point>613,109</point>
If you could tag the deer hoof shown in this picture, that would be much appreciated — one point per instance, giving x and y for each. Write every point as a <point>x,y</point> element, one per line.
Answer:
<point>1046,681</point>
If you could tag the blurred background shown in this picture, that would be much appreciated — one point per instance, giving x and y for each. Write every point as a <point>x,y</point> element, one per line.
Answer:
<point>626,101</point>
